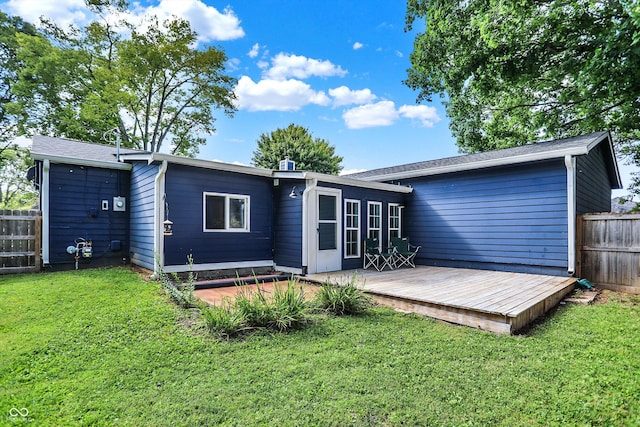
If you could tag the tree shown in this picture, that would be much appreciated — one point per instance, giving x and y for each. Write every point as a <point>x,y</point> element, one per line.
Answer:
<point>9,67</point>
<point>296,143</point>
<point>514,72</point>
<point>153,86</point>
<point>16,191</point>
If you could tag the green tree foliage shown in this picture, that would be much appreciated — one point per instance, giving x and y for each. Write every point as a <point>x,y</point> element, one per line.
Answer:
<point>513,72</point>
<point>16,192</point>
<point>152,85</point>
<point>298,144</point>
<point>9,67</point>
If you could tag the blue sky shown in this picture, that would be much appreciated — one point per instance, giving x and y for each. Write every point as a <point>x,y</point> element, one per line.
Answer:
<point>334,66</point>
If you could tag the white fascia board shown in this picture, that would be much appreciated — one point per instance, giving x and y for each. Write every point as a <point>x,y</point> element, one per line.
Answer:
<point>81,162</point>
<point>334,179</point>
<point>481,164</point>
<point>206,164</point>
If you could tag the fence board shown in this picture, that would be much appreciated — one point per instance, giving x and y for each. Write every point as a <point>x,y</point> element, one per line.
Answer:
<point>20,241</point>
<point>609,248</point>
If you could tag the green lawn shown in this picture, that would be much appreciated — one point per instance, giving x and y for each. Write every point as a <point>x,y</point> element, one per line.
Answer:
<point>103,347</point>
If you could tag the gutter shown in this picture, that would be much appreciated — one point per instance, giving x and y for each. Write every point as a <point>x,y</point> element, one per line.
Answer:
<point>570,163</point>
<point>44,192</point>
<point>158,236</point>
<point>305,224</point>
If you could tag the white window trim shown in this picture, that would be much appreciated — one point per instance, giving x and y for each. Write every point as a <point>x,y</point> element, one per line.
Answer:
<point>226,229</point>
<point>369,204</point>
<point>389,229</point>
<point>357,228</point>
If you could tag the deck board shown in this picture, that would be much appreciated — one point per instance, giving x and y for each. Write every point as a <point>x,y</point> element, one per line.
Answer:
<point>493,300</point>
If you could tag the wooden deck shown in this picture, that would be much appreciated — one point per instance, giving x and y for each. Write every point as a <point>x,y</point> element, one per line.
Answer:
<point>490,300</point>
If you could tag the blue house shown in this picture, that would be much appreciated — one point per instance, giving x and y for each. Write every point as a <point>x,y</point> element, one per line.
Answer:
<point>511,210</point>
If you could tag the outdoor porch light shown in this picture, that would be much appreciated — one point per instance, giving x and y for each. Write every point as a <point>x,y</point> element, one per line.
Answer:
<point>294,194</point>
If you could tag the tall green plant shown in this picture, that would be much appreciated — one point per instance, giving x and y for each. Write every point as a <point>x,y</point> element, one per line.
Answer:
<point>343,298</point>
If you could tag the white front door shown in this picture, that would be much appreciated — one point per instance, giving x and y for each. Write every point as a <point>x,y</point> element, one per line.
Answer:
<point>326,246</point>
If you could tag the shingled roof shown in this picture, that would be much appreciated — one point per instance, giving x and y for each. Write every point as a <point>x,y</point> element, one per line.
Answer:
<point>558,148</point>
<point>70,151</point>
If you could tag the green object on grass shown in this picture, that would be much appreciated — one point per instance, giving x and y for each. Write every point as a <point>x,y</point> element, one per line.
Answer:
<point>584,284</point>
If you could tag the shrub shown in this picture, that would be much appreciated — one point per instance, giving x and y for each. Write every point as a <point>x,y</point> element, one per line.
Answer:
<point>343,298</point>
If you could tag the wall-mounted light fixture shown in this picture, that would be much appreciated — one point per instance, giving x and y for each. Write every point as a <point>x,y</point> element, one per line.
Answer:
<point>294,194</point>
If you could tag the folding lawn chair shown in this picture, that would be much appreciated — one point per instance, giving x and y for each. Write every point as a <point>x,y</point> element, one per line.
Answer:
<point>376,259</point>
<point>404,252</point>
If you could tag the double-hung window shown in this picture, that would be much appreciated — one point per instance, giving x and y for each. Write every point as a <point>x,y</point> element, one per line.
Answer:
<point>394,220</point>
<point>352,228</point>
<point>225,212</point>
<point>374,221</point>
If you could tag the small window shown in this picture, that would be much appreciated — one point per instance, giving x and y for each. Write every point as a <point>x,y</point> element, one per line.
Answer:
<point>226,212</point>
<point>374,221</point>
<point>395,220</point>
<point>352,228</point>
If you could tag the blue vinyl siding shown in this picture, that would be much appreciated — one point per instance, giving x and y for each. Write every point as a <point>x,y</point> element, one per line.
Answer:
<point>593,189</point>
<point>142,206</point>
<point>184,188</point>
<point>75,211</point>
<point>509,218</point>
<point>288,224</point>
<point>365,195</point>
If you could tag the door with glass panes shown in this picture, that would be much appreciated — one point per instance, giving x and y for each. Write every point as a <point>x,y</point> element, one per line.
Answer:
<point>328,248</point>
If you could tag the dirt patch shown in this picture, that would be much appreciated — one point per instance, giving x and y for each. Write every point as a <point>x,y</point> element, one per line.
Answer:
<point>606,296</point>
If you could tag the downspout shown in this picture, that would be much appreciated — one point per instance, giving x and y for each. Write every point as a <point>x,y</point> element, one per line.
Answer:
<point>305,226</point>
<point>158,236</point>
<point>44,192</point>
<point>570,163</point>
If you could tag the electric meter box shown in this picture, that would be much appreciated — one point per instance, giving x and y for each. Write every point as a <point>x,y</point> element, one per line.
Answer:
<point>119,204</point>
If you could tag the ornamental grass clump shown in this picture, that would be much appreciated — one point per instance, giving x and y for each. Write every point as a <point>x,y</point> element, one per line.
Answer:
<point>286,309</point>
<point>343,298</point>
<point>224,321</point>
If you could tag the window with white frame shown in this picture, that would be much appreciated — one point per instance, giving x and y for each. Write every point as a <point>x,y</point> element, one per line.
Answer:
<point>225,212</point>
<point>395,220</point>
<point>374,221</point>
<point>352,228</point>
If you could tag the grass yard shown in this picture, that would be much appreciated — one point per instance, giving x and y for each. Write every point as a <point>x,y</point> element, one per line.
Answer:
<point>103,347</point>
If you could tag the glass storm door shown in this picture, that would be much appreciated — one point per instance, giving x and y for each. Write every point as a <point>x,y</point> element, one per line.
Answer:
<point>328,247</point>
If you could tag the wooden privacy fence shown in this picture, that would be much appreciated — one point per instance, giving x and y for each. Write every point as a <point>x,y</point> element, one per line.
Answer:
<point>20,241</point>
<point>608,250</point>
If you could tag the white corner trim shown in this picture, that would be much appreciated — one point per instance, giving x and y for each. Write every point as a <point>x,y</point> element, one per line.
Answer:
<point>218,266</point>
<point>44,192</point>
<point>570,163</point>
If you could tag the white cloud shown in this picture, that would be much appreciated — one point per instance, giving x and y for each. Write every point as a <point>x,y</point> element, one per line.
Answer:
<point>357,45</point>
<point>276,95</point>
<point>344,96</point>
<point>384,113</point>
<point>62,12</point>
<point>207,21</point>
<point>428,116</point>
<point>301,67</point>
<point>381,113</point>
<point>255,49</point>
<point>233,64</point>
<point>399,54</point>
